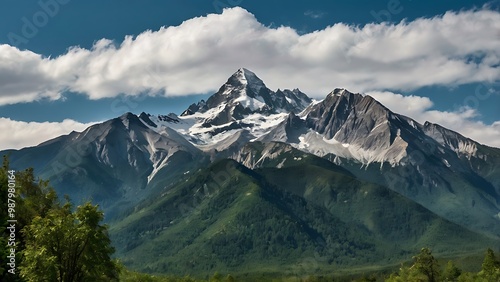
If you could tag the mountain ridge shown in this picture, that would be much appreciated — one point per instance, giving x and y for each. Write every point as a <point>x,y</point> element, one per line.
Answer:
<point>131,162</point>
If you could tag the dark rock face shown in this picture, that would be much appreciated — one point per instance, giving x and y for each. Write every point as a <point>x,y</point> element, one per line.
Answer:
<point>145,117</point>
<point>329,116</point>
<point>193,108</point>
<point>354,119</point>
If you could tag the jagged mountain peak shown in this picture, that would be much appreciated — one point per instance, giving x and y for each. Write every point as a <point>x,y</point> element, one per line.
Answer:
<point>127,120</point>
<point>340,95</point>
<point>344,100</point>
<point>245,77</point>
<point>128,116</point>
<point>243,88</point>
<point>340,92</point>
<point>245,94</point>
<point>242,83</point>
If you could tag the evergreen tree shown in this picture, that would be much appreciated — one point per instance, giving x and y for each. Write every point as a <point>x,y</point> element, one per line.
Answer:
<point>216,278</point>
<point>469,277</point>
<point>490,269</point>
<point>230,278</point>
<point>425,268</point>
<point>451,272</point>
<point>406,274</point>
<point>426,264</point>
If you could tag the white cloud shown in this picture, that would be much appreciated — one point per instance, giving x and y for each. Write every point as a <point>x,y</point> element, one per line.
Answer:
<point>198,56</point>
<point>462,121</point>
<point>20,134</point>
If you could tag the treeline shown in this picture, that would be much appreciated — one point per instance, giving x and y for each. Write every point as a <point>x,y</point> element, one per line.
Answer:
<point>45,239</point>
<point>426,268</point>
<point>128,276</point>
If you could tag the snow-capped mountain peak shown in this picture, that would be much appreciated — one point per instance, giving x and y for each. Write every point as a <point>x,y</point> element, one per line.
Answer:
<point>245,94</point>
<point>246,78</point>
<point>345,124</point>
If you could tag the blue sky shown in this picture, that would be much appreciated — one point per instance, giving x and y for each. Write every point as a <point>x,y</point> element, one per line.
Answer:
<point>47,79</point>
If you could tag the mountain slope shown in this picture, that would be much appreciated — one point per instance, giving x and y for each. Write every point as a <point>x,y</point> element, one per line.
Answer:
<point>116,163</point>
<point>446,172</point>
<point>232,219</point>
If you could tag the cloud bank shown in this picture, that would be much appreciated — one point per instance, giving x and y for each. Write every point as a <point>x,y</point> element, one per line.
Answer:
<point>20,134</point>
<point>198,55</point>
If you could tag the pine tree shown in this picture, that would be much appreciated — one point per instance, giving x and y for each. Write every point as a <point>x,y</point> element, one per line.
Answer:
<point>426,264</point>
<point>451,272</point>
<point>490,268</point>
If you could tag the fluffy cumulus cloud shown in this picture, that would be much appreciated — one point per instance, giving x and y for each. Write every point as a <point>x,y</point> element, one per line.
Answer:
<point>198,56</point>
<point>462,120</point>
<point>19,134</point>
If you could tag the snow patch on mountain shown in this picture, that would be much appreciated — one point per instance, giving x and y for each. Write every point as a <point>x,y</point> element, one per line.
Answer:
<point>192,128</point>
<point>317,144</point>
<point>253,104</point>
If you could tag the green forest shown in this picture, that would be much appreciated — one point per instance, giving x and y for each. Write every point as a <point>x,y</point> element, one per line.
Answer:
<point>46,238</point>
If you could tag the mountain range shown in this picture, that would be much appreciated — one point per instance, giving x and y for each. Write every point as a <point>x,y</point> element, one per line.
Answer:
<point>256,178</point>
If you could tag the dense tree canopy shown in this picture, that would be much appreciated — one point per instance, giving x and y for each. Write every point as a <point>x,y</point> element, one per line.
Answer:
<point>68,246</point>
<point>490,269</point>
<point>53,242</point>
<point>425,269</point>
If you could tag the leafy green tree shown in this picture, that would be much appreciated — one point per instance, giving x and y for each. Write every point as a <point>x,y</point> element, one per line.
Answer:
<point>35,197</point>
<point>470,277</point>
<point>426,264</point>
<point>32,198</point>
<point>56,244</point>
<point>406,274</point>
<point>425,268</point>
<point>68,246</point>
<point>490,269</point>
<point>451,272</point>
<point>371,278</point>
<point>23,183</point>
<point>216,278</point>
